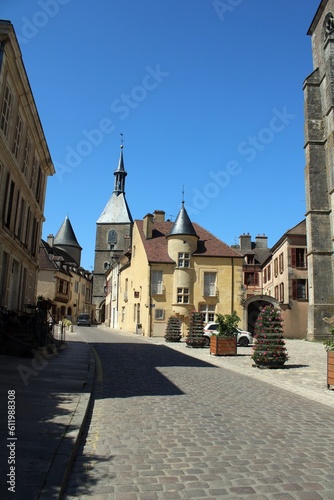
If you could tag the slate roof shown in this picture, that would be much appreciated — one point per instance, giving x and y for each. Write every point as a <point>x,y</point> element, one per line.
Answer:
<point>208,245</point>
<point>183,224</point>
<point>66,236</point>
<point>116,210</point>
<point>58,259</point>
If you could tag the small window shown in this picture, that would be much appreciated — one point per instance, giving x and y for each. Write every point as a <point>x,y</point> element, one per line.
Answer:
<point>276,267</point>
<point>251,279</point>
<point>208,311</point>
<point>183,295</point>
<point>184,259</point>
<point>298,257</point>
<point>281,263</point>
<point>250,259</point>
<point>299,289</point>
<point>159,314</point>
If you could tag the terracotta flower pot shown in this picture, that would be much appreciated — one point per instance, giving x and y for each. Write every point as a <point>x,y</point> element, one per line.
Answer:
<point>330,369</point>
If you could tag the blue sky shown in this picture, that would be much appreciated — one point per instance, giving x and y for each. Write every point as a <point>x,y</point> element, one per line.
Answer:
<point>207,94</point>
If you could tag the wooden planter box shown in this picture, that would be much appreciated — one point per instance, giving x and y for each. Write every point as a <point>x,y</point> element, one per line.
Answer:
<point>330,369</point>
<point>223,346</point>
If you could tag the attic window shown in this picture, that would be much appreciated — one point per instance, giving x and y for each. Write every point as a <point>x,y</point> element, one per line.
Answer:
<point>250,259</point>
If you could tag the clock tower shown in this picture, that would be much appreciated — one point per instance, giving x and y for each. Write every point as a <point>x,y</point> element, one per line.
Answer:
<point>113,235</point>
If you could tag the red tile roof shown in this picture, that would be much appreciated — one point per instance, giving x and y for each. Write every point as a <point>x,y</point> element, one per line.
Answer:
<point>208,245</point>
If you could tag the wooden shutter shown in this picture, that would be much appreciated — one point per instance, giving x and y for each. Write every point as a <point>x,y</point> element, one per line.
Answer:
<point>293,257</point>
<point>294,289</point>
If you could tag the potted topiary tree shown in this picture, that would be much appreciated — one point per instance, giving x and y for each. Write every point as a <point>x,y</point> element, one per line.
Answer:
<point>195,336</point>
<point>173,330</point>
<point>269,349</point>
<point>329,346</point>
<point>224,341</point>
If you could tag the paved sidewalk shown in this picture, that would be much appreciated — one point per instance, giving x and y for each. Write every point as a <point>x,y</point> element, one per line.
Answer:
<point>51,401</point>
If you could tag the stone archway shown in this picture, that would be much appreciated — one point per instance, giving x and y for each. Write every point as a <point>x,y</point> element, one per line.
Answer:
<point>252,309</point>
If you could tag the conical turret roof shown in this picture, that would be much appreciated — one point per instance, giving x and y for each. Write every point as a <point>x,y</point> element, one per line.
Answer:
<point>183,224</point>
<point>66,236</point>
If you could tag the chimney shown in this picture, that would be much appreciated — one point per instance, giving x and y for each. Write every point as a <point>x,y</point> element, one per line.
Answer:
<point>159,216</point>
<point>261,241</point>
<point>148,226</point>
<point>50,240</point>
<point>245,242</point>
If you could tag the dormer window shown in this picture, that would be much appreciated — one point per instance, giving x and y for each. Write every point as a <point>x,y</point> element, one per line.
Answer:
<point>183,259</point>
<point>250,259</point>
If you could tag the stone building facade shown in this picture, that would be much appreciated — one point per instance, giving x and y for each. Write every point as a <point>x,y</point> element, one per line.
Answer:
<point>319,172</point>
<point>25,165</point>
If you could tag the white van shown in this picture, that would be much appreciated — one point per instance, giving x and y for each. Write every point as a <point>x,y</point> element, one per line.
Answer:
<point>84,319</point>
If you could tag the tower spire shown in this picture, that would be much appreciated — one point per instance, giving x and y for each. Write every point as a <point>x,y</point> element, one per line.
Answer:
<point>120,173</point>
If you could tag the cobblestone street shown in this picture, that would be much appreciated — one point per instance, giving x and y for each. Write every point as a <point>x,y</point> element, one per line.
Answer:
<point>168,425</point>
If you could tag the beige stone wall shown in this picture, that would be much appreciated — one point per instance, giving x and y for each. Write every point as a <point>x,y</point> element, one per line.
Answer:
<point>135,288</point>
<point>22,180</point>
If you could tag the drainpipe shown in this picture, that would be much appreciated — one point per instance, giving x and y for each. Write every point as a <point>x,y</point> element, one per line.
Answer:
<point>232,286</point>
<point>149,302</point>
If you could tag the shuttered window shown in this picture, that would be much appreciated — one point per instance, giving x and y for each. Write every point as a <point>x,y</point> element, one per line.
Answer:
<point>299,289</point>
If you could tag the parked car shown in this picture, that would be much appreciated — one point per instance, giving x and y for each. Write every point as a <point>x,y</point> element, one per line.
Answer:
<point>84,319</point>
<point>244,338</point>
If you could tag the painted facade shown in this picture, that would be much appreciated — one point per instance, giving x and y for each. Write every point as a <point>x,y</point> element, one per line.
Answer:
<point>172,269</point>
<point>285,278</point>
<point>277,276</point>
<point>25,165</point>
